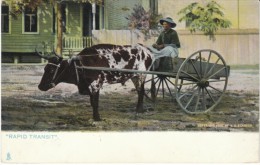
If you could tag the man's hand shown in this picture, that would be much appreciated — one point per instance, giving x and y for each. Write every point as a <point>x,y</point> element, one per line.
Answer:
<point>155,46</point>
<point>159,47</point>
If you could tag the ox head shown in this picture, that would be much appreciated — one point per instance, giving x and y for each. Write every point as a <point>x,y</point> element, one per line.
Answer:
<point>51,70</point>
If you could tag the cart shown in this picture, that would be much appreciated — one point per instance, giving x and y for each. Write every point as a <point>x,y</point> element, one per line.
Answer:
<point>198,82</point>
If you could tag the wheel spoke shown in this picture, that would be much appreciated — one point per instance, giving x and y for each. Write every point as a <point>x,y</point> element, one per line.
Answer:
<point>190,90</point>
<point>200,64</point>
<point>170,81</point>
<point>190,75</point>
<point>210,95</point>
<point>193,95</point>
<point>195,68</point>
<point>212,81</point>
<point>151,79</point>
<point>215,73</point>
<point>163,87</point>
<point>203,99</point>
<point>216,89</point>
<point>198,99</point>
<point>158,88</point>
<point>168,88</point>
<point>206,68</point>
<point>212,67</point>
<point>156,81</point>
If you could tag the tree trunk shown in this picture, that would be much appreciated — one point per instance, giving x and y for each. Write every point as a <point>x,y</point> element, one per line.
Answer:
<point>59,29</point>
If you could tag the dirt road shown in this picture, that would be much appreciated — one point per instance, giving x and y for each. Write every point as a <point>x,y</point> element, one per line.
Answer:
<point>24,107</point>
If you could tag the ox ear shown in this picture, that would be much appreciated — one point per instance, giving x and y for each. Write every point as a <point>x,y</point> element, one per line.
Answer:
<point>55,60</point>
<point>60,58</point>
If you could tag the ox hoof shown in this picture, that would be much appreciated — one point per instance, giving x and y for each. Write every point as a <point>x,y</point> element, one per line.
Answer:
<point>140,110</point>
<point>83,92</point>
<point>97,118</point>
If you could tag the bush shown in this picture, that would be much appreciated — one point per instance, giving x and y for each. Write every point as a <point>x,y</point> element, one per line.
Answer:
<point>207,18</point>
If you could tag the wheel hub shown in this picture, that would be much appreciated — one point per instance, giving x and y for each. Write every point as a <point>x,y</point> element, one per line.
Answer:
<point>203,83</point>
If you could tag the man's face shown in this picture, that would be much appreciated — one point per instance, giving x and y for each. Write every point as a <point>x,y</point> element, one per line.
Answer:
<point>166,25</point>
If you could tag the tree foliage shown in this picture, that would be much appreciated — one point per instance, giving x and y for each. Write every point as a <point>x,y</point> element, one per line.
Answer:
<point>143,20</point>
<point>207,18</point>
<point>18,6</point>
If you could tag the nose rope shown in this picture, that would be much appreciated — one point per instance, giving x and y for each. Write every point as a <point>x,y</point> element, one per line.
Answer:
<point>53,84</point>
<point>56,71</point>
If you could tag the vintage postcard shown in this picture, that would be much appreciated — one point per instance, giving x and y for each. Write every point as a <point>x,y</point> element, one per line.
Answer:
<point>119,81</point>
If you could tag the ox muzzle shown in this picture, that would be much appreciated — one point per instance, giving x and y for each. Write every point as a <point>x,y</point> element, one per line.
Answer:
<point>49,78</point>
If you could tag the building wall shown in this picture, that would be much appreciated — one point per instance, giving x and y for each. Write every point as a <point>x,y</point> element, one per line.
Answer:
<point>17,41</point>
<point>237,47</point>
<point>238,44</point>
<point>243,14</point>
<point>116,12</point>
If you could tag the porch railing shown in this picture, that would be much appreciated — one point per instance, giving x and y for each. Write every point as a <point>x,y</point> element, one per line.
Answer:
<point>76,43</point>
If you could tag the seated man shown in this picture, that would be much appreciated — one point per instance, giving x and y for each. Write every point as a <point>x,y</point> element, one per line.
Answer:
<point>167,43</point>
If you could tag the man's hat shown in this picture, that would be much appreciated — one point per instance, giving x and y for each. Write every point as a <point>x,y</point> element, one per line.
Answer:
<point>169,20</point>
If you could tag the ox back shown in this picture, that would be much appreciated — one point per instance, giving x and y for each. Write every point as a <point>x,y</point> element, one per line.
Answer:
<point>113,56</point>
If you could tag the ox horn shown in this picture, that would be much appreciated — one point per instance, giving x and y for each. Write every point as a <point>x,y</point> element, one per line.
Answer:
<point>54,52</point>
<point>40,54</point>
<point>40,50</point>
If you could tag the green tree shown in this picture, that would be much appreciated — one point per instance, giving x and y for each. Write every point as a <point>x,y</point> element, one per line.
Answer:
<point>207,18</point>
<point>17,7</point>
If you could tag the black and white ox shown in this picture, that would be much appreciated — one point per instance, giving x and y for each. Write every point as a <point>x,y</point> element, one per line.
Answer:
<point>88,81</point>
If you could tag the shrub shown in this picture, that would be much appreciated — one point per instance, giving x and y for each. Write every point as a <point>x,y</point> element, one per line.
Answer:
<point>207,18</point>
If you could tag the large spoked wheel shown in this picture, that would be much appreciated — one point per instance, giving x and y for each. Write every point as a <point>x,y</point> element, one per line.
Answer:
<point>205,76</point>
<point>160,86</point>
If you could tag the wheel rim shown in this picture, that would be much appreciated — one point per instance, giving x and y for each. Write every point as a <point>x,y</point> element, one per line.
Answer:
<point>205,75</point>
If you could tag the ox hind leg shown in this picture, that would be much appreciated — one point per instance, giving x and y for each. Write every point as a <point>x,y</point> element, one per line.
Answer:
<point>139,86</point>
<point>94,100</point>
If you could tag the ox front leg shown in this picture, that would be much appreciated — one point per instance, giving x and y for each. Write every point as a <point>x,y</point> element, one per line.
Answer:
<point>139,86</point>
<point>140,102</point>
<point>94,100</point>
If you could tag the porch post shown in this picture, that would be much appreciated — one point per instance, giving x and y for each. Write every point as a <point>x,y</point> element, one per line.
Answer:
<point>94,15</point>
<point>59,29</point>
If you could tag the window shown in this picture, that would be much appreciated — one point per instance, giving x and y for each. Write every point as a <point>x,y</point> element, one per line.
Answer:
<point>53,21</point>
<point>154,6</point>
<point>30,20</point>
<point>5,19</point>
